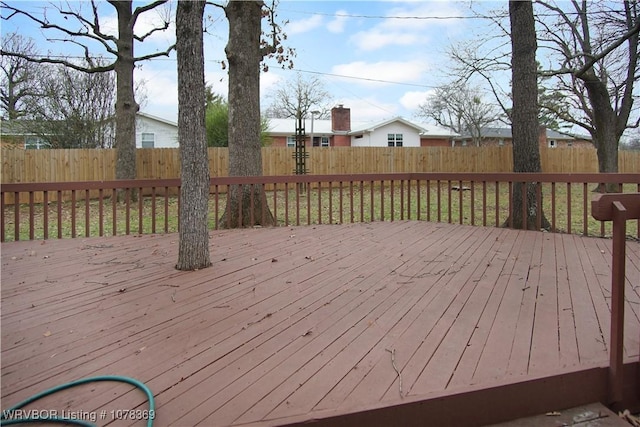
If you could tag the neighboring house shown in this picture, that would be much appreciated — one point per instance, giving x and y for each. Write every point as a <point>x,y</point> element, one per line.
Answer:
<point>491,136</point>
<point>151,132</point>
<point>16,134</point>
<point>341,132</point>
<point>155,132</point>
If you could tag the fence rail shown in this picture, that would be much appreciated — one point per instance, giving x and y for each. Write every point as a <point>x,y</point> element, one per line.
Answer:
<point>464,198</point>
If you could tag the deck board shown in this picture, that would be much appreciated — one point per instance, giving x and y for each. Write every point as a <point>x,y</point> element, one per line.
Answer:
<point>294,321</point>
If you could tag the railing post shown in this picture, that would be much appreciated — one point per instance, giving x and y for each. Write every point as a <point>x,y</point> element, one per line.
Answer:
<point>617,302</point>
<point>617,207</point>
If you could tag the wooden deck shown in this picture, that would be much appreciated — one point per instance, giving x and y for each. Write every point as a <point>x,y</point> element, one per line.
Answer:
<point>309,323</point>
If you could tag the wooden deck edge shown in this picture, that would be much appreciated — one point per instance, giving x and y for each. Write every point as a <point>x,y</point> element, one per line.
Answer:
<point>486,404</point>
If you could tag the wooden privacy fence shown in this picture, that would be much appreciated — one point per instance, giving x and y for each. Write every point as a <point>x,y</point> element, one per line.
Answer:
<point>164,163</point>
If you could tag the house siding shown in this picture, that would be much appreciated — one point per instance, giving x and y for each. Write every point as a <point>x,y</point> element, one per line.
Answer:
<point>165,134</point>
<point>378,138</point>
<point>281,140</point>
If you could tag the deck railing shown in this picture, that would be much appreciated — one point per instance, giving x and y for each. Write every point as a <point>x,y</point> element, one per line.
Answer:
<point>71,209</point>
<point>618,208</point>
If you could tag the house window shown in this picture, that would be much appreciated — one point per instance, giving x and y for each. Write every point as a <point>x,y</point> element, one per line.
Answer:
<point>501,142</point>
<point>394,139</point>
<point>148,140</point>
<point>324,141</point>
<point>35,143</point>
<point>464,142</point>
<point>552,143</point>
<point>291,141</point>
<point>359,136</point>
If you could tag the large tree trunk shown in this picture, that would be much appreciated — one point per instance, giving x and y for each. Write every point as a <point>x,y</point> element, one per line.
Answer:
<point>605,136</point>
<point>126,106</point>
<point>245,154</point>
<point>525,128</point>
<point>194,162</point>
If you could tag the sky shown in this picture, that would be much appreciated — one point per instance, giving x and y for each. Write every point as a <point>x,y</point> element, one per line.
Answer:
<point>381,59</point>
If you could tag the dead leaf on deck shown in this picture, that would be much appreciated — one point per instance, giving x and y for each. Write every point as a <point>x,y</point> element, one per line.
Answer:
<point>47,334</point>
<point>553,414</point>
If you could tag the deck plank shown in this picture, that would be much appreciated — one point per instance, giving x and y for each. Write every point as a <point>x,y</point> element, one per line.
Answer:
<point>545,345</point>
<point>496,278</point>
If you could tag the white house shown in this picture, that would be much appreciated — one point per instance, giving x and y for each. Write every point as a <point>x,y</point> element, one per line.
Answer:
<point>341,131</point>
<point>396,132</point>
<point>155,132</point>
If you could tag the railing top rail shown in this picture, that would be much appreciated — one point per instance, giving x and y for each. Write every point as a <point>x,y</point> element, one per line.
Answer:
<point>602,205</point>
<point>443,176</point>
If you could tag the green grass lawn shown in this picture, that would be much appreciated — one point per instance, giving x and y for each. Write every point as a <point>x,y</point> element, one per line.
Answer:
<point>313,206</point>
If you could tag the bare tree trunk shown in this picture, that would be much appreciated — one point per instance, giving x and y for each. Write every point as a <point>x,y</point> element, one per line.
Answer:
<point>605,136</point>
<point>194,162</point>
<point>525,128</point>
<point>126,106</point>
<point>245,154</point>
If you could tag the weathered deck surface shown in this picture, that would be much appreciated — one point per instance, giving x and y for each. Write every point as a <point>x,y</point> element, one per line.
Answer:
<point>290,323</point>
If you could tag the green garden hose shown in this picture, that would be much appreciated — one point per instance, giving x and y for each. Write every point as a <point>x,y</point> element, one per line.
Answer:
<point>15,414</point>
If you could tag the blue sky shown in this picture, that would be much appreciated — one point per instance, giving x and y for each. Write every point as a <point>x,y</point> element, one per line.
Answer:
<point>392,41</point>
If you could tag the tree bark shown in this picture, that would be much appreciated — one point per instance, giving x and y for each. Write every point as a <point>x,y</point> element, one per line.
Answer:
<point>604,136</point>
<point>247,204</point>
<point>525,127</point>
<point>193,253</point>
<point>126,106</point>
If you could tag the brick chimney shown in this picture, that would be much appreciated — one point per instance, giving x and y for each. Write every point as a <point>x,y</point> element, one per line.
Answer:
<point>340,119</point>
<point>542,135</point>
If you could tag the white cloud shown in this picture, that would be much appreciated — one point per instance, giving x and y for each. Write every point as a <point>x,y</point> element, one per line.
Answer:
<point>403,28</point>
<point>268,80</point>
<point>160,86</point>
<point>303,25</point>
<point>377,39</point>
<point>146,22</point>
<point>338,23</point>
<point>218,80</point>
<point>411,100</point>
<point>392,71</point>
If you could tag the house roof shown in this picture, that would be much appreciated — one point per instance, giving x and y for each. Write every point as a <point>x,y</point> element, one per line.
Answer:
<point>429,130</point>
<point>324,127</point>
<point>370,127</point>
<point>288,126</point>
<point>17,127</point>
<point>157,119</point>
<point>497,133</point>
